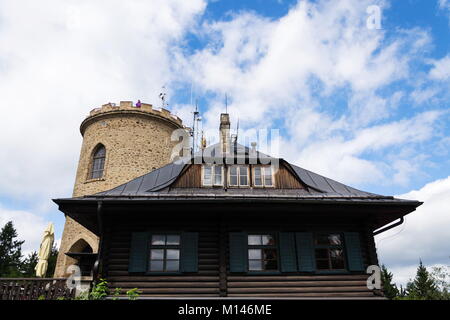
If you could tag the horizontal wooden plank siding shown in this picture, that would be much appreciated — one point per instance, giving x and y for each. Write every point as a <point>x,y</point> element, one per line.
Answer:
<point>209,281</point>
<point>298,284</point>
<point>205,282</point>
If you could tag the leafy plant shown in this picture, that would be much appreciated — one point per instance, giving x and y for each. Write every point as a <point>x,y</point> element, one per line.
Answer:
<point>116,293</point>
<point>133,294</point>
<point>99,290</point>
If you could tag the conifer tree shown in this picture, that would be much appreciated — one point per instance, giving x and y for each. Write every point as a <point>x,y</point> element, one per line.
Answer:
<point>390,289</point>
<point>10,251</point>
<point>29,264</point>
<point>52,262</point>
<point>423,287</point>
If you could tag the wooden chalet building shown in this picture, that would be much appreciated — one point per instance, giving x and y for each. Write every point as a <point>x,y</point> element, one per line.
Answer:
<point>210,227</point>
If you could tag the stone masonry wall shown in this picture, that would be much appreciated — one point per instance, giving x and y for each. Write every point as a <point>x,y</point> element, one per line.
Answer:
<point>137,140</point>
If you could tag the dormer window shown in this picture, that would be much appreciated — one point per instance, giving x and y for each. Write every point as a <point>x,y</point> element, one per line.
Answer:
<point>213,175</point>
<point>238,176</point>
<point>262,176</point>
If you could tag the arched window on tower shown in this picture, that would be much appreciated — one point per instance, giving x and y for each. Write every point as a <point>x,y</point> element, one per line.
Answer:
<point>98,162</point>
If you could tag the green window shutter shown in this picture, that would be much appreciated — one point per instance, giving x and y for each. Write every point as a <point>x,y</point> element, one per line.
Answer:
<point>189,252</point>
<point>238,252</point>
<point>138,252</point>
<point>305,252</point>
<point>288,256</point>
<point>353,249</point>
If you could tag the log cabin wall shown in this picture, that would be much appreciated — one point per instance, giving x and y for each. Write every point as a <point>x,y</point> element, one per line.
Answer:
<point>214,278</point>
<point>205,282</point>
<point>300,284</point>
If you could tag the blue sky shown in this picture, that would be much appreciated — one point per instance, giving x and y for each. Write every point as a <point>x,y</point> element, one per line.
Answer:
<point>366,107</point>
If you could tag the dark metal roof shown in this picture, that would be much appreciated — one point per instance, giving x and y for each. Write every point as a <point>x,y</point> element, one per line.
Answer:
<point>153,181</point>
<point>155,185</point>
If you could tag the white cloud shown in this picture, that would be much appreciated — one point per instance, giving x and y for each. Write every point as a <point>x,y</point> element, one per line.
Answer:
<point>445,6</point>
<point>441,69</point>
<point>341,157</point>
<point>64,58</point>
<point>30,227</point>
<point>424,235</point>
<point>421,96</point>
<point>295,64</point>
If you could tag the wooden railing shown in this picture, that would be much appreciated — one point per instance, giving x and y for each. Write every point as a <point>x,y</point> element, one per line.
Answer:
<point>34,289</point>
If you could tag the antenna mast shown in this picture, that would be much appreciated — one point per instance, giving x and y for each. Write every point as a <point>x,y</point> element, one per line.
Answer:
<point>226,103</point>
<point>162,96</point>
<point>194,132</point>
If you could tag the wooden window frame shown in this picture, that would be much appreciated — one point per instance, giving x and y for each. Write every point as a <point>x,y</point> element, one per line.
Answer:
<point>330,247</point>
<point>213,175</point>
<point>263,180</point>
<point>274,247</point>
<point>238,171</point>
<point>164,247</point>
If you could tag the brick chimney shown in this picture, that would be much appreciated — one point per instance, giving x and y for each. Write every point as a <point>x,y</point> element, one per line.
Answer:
<point>225,137</point>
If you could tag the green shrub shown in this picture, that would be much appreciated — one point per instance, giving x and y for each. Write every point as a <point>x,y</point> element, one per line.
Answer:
<point>133,294</point>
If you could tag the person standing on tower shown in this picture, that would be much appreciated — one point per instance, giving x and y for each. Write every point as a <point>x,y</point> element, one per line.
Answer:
<point>138,104</point>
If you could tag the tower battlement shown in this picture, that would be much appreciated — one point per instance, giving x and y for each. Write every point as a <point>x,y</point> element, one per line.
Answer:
<point>123,107</point>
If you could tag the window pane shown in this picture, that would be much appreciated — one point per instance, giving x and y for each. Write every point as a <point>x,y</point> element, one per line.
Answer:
<point>258,179</point>
<point>96,174</point>
<point>156,265</point>
<point>233,181</point>
<point>268,240</point>
<point>254,254</point>
<point>157,254</point>
<point>269,254</point>
<point>255,265</point>
<point>243,180</point>
<point>173,254</point>
<point>173,239</point>
<point>243,171</point>
<point>322,239</point>
<point>217,175</point>
<point>322,264</point>
<point>270,265</point>
<point>254,240</point>
<point>172,265</point>
<point>322,253</point>
<point>337,259</point>
<point>207,181</point>
<point>158,240</point>
<point>268,176</point>
<point>335,239</point>
<point>233,171</point>
<point>100,152</point>
<point>207,175</point>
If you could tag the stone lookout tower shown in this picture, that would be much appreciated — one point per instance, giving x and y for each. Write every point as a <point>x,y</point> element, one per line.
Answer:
<point>120,143</point>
